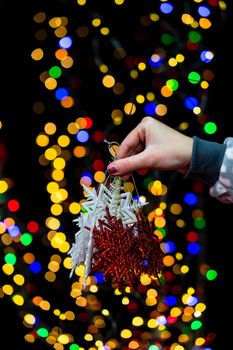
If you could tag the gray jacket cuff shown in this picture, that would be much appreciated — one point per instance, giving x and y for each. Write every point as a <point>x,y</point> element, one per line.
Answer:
<point>207,157</point>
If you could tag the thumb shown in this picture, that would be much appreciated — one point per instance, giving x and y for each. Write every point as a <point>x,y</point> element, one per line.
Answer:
<point>126,165</point>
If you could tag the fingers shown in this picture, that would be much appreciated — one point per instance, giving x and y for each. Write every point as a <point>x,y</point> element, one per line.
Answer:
<point>125,166</point>
<point>132,144</point>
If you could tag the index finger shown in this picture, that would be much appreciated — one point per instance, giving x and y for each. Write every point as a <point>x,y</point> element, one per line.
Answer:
<point>132,144</point>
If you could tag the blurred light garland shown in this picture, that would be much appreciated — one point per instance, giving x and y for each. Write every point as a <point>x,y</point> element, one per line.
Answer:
<point>94,75</point>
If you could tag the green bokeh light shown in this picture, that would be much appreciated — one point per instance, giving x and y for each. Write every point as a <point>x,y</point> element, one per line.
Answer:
<point>196,324</point>
<point>199,222</point>
<point>74,347</point>
<point>210,128</point>
<point>194,36</point>
<point>167,39</point>
<point>55,72</point>
<point>172,84</point>
<point>42,332</point>
<point>26,239</point>
<point>194,77</point>
<point>10,258</point>
<point>211,275</point>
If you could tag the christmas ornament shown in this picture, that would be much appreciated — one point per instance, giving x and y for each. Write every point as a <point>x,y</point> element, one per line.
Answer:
<point>114,236</point>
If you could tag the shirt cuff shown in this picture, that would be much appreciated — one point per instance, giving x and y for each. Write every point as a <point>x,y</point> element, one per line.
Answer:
<point>207,157</point>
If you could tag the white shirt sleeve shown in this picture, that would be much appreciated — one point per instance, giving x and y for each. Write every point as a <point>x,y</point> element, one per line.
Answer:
<point>223,187</point>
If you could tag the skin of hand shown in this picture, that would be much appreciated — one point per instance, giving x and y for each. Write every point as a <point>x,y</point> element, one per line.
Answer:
<point>152,145</point>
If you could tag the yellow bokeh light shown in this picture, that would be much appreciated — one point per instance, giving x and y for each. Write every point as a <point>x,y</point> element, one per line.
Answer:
<point>103,68</point>
<point>37,54</point>
<point>183,338</point>
<point>172,62</point>
<point>55,22</point>
<point>150,96</point>
<point>129,108</point>
<point>67,262</point>
<point>19,279</point>
<point>63,339</point>
<point>125,301</point>
<point>99,176</point>
<point>50,154</point>
<point>18,299</point>
<point>60,32</point>
<point>152,323</point>
<point>96,22</point>
<point>183,126</point>
<point>8,269</point>
<point>108,81</point>
<point>187,18</point>
<point>7,289</point>
<point>126,333</point>
<point>81,301</point>
<point>160,222</point>
<point>52,187</point>
<point>50,128</point>
<point>152,293</point>
<point>184,269</point>
<point>63,140</point>
<point>81,2</point>
<point>104,30</point>
<point>3,186</point>
<point>197,110</point>
<point>204,84</point>
<point>58,239</point>
<point>128,187</point>
<point>50,83</point>
<point>42,140</point>
<point>141,66</point>
<point>140,99</point>
<point>59,163</point>
<point>154,17</point>
<point>180,58</point>
<point>2,225</point>
<point>56,197</point>
<point>176,209</point>
<point>29,319</point>
<point>74,207</point>
<point>151,301</point>
<point>145,279</point>
<point>200,307</point>
<point>52,223</point>
<point>137,321</point>
<point>119,2</point>
<point>175,312</point>
<point>67,62</point>
<point>161,109</point>
<point>56,209</point>
<point>54,266</point>
<point>180,223</point>
<point>57,175</point>
<point>205,23</point>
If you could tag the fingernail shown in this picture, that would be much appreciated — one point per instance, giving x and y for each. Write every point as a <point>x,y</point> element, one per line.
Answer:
<point>112,169</point>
